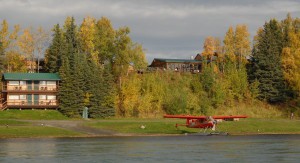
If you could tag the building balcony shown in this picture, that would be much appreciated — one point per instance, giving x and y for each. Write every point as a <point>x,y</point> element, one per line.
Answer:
<point>26,88</point>
<point>32,104</point>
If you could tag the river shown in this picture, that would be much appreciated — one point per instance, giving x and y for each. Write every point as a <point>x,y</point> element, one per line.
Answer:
<point>258,148</point>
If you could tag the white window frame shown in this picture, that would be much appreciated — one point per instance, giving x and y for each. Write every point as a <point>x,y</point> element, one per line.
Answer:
<point>51,82</point>
<point>13,97</point>
<point>22,82</point>
<point>42,82</point>
<point>51,97</point>
<point>14,83</point>
<point>22,97</point>
<point>43,97</point>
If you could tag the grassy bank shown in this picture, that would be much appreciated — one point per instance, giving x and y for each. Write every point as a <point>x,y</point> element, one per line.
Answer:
<point>166,126</point>
<point>29,131</point>
<point>13,126</point>
<point>32,114</point>
<point>14,123</point>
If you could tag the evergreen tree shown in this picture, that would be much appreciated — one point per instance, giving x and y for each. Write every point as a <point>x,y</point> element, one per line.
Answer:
<point>108,89</point>
<point>267,63</point>
<point>66,92</point>
<point>72,42</point>
<point>71,94</point>
<point>79,81</point>
<point>55,51</point>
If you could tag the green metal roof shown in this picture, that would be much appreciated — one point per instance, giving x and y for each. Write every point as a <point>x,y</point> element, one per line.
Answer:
<point>176,60</point>
<point>31,76</point>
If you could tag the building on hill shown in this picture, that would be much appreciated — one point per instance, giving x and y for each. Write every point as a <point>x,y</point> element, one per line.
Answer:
<point>30,90</point>
<point>182,65</point>
<point>178,65</point>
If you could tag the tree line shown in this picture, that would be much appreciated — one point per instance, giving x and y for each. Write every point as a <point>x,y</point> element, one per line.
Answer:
<point>94,59</point>
<point>235,72</point>
<point>90,58</point>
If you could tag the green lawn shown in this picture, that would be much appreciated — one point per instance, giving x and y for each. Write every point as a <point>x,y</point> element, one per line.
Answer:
<point>11,125</point>
<point>32,114</point>
<point>152,126</point>
<point>261,126</point>
<point>167,126</point>
<point>11,122</point>
<point>34,131</point>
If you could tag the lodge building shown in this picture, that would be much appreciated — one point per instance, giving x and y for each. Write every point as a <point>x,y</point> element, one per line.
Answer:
<point>193,65</point>
<point>29,90</point>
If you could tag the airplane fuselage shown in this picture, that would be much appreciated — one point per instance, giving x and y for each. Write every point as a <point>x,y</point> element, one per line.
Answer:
<point>197,123</point>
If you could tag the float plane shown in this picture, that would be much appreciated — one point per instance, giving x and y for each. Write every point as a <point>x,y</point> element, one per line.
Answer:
<point>205,122</point>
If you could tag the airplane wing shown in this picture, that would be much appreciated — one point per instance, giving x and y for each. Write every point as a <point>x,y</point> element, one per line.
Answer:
<point>204,117</point>
<point>229,117</point>
<point>185,116</point>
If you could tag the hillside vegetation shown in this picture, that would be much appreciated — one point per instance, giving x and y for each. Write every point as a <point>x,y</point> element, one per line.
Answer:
<point>259,78</point>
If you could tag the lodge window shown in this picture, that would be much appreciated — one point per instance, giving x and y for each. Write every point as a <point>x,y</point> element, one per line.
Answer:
<point>51,82</point>
<point>42,82</point>
<point>43,97</point>
<point>47,82</point>
<point>13,83</point>
<point>47,97</point>
<point>14,97</point>
<point>22,97</point>
<point>17,97</point>
<point>22,82</point>
<point>51,97</point>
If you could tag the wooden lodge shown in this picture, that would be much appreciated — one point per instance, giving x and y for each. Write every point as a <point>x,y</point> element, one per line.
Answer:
<point>182,65</point>
<point>179,65</point>
<point>29,90</point>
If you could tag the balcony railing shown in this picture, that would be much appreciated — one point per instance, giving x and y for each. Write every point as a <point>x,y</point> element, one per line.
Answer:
<point>26,88</point>
<point>32,104</point>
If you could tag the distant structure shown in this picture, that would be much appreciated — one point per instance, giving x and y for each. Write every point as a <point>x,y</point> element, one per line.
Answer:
<point>193,65</point>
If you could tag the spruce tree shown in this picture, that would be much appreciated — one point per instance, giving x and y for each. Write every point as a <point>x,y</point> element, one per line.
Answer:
<point>55,51</point>
<point>266,66</point>
<point>66,93</point>
<point>108,89</point>
<point>72,42</point>
<point>71,94</point>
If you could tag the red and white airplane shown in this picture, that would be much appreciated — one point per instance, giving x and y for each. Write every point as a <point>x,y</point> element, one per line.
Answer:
<point>203,121</point>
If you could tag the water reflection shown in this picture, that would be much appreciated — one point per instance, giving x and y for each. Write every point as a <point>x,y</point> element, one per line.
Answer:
<point>271,148</point>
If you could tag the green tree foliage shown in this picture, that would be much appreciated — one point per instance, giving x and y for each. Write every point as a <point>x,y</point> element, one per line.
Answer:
<point>152,94</point>
<point>104,40</point>
<point>266,67</point>
<point>53,56</point>
<point>90,59</point>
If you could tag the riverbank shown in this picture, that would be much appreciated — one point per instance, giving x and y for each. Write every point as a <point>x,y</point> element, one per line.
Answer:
<point>137,127</point>
<point>51,123</point>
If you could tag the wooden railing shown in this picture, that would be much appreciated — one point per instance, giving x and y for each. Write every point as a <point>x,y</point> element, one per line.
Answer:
<point>37,103</point>
<point>20,88</point>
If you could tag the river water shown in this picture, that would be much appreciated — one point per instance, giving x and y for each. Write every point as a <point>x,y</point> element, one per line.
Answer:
<point>259,148</point>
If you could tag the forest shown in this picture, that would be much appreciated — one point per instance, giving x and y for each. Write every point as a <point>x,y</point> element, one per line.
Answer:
<point>260,78</point>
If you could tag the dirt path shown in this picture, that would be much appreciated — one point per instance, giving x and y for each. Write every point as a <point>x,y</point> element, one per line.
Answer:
<point>73,125</point>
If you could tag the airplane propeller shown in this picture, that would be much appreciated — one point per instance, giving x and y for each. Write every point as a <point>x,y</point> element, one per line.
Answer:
<point>214,123</point>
